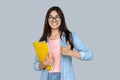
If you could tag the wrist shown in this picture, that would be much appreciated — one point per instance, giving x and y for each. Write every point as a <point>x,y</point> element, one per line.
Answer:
<point>69,51</point>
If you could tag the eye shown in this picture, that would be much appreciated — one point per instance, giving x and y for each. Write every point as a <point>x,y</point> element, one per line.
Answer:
<point>50,17</point>
<point>57,16</point>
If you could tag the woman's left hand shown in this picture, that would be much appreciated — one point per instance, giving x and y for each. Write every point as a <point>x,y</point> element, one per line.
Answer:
<point>68,52</point>
<point>65,50</point>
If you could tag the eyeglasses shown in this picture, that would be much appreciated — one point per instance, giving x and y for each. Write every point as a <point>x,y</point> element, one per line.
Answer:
<point>51,18</point>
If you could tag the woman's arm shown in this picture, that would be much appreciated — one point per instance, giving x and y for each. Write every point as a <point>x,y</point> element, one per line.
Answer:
<point>85,52</point>
<point>48,61</point>
<point>82,51</point>
<point>74,53</point>
<point>36,64</point>
<point>41,65</point>
<point>69,52</point>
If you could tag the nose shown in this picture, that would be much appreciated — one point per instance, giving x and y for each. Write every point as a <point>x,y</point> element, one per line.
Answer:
<point>54,20</point>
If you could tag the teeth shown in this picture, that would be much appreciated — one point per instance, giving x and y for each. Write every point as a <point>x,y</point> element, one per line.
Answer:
<point>54,24</point>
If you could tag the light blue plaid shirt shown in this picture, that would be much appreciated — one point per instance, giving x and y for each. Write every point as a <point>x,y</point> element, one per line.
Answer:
<point>67,71</point>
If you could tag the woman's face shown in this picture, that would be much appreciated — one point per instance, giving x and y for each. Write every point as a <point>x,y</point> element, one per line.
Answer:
<point>54,20</point>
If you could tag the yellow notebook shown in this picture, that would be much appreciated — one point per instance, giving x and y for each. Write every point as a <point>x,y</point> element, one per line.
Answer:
<point>42,50</point>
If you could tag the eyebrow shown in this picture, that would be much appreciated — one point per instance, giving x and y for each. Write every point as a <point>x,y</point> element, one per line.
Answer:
<point>55,16</point>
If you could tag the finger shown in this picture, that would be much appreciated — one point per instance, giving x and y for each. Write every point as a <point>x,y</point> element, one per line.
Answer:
<point>52,60</point>
<point>47,57</point>
<point>61,48</point>
<point>69,46</point>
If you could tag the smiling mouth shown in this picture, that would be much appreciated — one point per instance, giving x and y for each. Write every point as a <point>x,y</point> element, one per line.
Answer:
<point>54,23</point>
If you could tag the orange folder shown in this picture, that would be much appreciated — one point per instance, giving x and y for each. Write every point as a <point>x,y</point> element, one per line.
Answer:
<point>42,50</point>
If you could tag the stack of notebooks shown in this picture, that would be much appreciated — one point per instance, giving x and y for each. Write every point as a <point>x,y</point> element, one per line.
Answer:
<point>42,50</point>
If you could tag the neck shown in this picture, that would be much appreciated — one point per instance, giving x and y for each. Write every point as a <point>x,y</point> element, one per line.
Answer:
<point>55,33</point>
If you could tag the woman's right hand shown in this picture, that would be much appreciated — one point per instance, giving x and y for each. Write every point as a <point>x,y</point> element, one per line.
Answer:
<point>48,61</point>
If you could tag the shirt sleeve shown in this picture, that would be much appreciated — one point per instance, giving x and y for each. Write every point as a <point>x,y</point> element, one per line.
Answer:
<point>85,52</point>
<point>36,64</point>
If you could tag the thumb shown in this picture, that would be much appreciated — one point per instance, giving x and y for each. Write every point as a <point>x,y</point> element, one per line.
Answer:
<point>69,46</point>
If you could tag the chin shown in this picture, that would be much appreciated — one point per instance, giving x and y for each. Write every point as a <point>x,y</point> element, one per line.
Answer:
<point>54,27</point>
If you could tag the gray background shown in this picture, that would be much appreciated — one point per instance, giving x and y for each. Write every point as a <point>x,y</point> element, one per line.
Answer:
<point>97,23</point>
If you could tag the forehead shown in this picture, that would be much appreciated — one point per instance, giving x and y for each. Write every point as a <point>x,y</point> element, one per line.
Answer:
<point>53,13</point>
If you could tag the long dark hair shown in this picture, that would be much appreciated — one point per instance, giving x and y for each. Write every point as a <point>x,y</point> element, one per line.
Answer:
<point>62,27</point>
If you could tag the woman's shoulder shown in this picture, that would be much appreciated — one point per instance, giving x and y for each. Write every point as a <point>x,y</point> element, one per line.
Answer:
<point>73,34</point>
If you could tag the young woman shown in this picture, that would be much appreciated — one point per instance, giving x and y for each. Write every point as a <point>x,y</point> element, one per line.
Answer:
<point>62,43</point>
